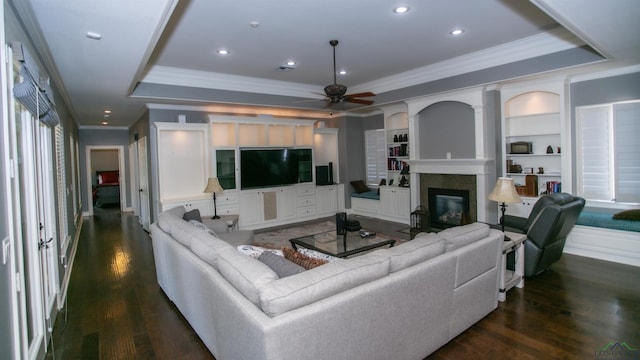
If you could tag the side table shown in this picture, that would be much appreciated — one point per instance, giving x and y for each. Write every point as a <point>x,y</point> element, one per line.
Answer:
<point>508,278</point>
<point>222,224</point>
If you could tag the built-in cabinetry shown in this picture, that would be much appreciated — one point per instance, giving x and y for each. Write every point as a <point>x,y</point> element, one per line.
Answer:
<point>395,203</point>
<point>533,138</point>
<point>183,166</point>
<point>329,199</point>
<point>397,139</point>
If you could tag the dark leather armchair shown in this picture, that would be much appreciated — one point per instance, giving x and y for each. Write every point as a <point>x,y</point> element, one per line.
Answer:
<point>551,219</point>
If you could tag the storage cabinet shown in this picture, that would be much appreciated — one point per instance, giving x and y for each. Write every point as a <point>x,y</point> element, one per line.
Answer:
<point>183,165</point>
<point>225,165</point>
<point>263,206</point>
<point>327,200</point>
<point>205,206</point>
<point>395,204</point>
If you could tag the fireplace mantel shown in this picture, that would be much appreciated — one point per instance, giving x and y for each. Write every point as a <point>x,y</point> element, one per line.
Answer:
<point>452,166</point>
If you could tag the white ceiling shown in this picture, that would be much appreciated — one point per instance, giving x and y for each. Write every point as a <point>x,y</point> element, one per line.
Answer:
<point>164,51</point>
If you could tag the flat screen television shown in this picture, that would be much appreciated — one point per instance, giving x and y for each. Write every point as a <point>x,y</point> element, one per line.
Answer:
<point>268,167</point>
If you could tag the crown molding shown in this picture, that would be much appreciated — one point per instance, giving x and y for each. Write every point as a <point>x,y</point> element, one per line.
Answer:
<point>550,42</point>
<point>606,73</point>
<point>239,109</point>
<point>209,80</point>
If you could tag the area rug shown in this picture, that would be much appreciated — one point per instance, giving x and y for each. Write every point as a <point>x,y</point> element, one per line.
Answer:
<point>279,238</point>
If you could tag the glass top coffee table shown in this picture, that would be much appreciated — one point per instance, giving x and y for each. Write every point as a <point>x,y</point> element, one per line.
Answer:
<point>340,245</point>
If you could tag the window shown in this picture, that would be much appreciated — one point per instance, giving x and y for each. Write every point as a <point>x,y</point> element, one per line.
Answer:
<point>608,167</point>
<point>376,156</point>
<point>61,186</point>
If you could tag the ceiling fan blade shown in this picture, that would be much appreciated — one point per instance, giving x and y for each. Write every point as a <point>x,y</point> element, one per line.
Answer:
<point>362,94</point>
<point>359,101</point>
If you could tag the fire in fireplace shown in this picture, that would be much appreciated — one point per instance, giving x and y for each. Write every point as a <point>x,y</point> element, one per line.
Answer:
<point>448,207</point>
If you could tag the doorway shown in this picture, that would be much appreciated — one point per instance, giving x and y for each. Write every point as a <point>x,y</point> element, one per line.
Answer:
<point>105,177</point>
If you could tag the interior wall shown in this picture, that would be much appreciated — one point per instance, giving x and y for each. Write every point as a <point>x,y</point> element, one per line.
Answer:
<point>447,127</point>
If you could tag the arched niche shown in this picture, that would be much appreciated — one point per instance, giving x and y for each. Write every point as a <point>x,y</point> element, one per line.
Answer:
<point>532,103</point>
<point>447,130</point>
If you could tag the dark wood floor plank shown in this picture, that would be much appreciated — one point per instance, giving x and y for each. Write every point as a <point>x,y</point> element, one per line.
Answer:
<point>117,311</point>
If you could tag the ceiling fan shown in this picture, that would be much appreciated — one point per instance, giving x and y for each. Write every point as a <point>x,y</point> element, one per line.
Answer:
<point>337,93</point>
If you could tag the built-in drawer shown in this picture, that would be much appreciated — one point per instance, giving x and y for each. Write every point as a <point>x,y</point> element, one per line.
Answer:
<point>306,211</point>
<point>302,190</point>
<point>226,198</point>
<point>306,200</point>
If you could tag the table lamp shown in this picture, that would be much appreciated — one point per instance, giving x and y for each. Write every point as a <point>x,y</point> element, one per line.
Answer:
<point>504,192</point>
<point>213,186</point>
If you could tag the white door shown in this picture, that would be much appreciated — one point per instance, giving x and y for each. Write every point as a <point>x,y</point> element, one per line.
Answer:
<point>28,231</point>
<point>133,178</point>
<point>46,216</point>
<point>143,186</point>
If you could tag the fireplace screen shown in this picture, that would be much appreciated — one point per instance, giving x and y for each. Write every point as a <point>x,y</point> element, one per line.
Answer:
<point>448,207</point>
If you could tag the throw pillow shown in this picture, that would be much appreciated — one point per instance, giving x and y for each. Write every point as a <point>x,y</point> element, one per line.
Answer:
<point>632,214</point>
<point>202,227</point>
<point>192,215</point>
<point>359,186</point>
<point>256,251</point>
<point>302,260</point>
<point>280,265</point>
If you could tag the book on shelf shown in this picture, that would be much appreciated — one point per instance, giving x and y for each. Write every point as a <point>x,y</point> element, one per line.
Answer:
<point>554,187</point>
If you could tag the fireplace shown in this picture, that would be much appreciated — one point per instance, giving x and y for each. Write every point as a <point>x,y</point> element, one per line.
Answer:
<point>448,207</point>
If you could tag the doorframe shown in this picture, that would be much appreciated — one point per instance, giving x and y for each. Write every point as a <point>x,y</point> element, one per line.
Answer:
<point>121,170</point>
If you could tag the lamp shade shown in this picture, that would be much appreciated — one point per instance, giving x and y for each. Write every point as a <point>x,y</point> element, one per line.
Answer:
<point>504,191</point>
<point>213,186</point>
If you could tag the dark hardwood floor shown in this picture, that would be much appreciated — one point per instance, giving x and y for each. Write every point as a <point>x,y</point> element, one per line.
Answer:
<point>116,310</point>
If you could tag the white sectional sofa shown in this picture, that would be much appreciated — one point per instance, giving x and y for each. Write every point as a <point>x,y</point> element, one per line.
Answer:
<point>398,303</point>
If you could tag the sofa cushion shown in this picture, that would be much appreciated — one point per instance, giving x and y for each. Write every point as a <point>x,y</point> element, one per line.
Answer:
<point>459,236</point>
<point>280,265</point>
<point>246,274</point>
<point>184,232</point>
<point>167,218</point>
<point>421,248</point>
<point>298,290</point>
<point>202,227</point>
<point>208,248</point>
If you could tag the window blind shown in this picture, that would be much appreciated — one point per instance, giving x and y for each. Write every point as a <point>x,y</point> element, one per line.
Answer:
<point>627,152</point>
<point>376,156</point>
<point>61,186</point>
<point>594,163</point>
<point>34,93</point>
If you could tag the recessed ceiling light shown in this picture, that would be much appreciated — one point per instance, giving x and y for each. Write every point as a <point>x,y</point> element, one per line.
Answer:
<point>107,111</point>
<point>254,24</point>
<point>401,9</point>
<point>456,31</point>
<point>94,35</point>
<point>223,52</point>
<point>342,72</point>
<point>291,62</point>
